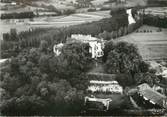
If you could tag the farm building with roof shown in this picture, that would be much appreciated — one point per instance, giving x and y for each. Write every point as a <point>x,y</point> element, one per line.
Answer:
<point>152,96</point>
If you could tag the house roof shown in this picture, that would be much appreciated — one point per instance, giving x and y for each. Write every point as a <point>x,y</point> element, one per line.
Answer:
<point>84,37</point>
<point>60,45</point>
<point>103,82</point>
<point>143,86</point>
<point>164,73</point>
<point>153,96</point>
<point>3,60</point>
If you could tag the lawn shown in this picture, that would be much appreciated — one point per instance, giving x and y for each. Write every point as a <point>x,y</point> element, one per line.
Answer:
<point>151,45</point>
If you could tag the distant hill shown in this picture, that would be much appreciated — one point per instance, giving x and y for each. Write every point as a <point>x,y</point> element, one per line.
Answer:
<point>61,5</point>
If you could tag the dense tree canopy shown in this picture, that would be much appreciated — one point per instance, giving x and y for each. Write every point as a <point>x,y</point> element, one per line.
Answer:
<point>148,78</point>
<point>44,84</point>
<point>119,16</point>
<point>74,60</point>
<point>155,21</point>
<point>33,37</point>
<point>123,58</point>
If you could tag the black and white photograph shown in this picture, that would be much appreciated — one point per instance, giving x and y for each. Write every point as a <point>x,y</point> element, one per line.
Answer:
<point>83,58</point>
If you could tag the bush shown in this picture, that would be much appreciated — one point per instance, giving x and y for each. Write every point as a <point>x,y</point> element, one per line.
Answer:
<point>68,12</point>
<point>155,21</point>
<point>17,15</point>
<point>105,35</point>
<point>91,9</point>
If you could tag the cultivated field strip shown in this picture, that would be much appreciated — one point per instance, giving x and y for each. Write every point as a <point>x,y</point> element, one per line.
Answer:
<point>58,21</point>
<point>152,46</point>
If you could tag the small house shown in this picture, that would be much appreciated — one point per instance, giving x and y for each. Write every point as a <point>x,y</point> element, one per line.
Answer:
<point>57,49</point>
<point>143,86</point>
<point>13,3</point>
<point>103,104</point>
<point>158,89</point>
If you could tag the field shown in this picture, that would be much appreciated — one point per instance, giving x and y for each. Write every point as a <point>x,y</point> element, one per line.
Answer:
<point>58,21</point>
<point>160,11</point>
<point>151,45</point>
<point>136,2</point>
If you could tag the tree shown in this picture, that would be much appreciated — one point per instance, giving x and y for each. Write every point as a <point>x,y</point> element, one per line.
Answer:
<point>74,60</point>
<point>63,97</point>
<point>43,63</point>
<point>10,83</point>
<point>43,46</point>
<point>109,46</point>
<point>148,78</point>
<point>43,84</point>
<point>119,16</point>
<point>124,80</point>
<point>33,55</point>
<point>13,33</point>
<point>105,35</point>
<point>144,67</point>
<point>123,58</point>
<point>120,102</point>
<point>80,82</point>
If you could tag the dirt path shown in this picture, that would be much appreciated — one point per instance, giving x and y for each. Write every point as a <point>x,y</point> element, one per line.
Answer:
<point>98,68</point>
